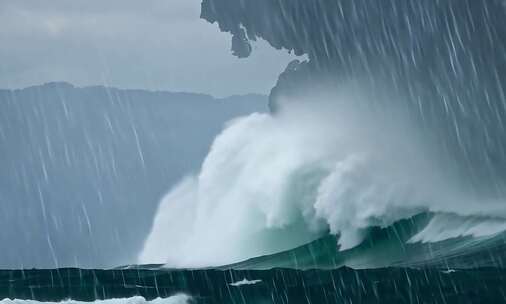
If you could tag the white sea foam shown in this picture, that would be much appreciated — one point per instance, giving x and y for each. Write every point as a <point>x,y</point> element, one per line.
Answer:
<point>274,182</point>
<point>245,282</point>
<point>176,299</point>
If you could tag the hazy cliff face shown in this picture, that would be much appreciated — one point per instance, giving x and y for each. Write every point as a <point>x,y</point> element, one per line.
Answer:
<point>329,30</point>
<point>440,63</point>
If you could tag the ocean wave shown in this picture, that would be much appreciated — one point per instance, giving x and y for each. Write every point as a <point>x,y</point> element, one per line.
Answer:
<point>272,183</point>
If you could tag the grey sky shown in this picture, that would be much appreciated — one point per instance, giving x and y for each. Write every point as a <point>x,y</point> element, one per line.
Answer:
<point>152,44</point>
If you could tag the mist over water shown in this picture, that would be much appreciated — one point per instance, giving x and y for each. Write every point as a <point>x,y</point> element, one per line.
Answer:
<point>319,165</point>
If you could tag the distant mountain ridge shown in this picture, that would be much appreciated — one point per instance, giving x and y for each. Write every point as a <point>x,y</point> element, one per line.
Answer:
<point>83,169</point>
<point>59,85</point>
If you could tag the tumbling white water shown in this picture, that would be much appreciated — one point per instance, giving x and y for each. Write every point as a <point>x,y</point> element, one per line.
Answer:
<point>176,299</point>
<point>274,182</point>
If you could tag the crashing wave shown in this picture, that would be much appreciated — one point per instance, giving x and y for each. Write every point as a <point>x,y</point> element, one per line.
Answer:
<point>275,182</point>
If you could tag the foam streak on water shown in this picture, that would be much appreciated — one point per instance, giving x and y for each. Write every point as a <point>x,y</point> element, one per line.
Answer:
<point>176,299</point>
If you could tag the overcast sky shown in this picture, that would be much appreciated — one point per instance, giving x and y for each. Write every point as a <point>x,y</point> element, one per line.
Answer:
<point>149,44</point>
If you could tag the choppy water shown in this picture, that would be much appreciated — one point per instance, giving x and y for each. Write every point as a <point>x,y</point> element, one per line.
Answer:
<point>343,285</point>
